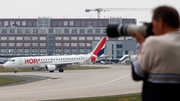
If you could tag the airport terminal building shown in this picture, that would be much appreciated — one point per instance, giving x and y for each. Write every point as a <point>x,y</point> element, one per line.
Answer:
<point>61,36</point>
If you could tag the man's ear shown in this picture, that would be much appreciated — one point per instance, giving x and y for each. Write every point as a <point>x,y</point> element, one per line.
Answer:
<point>161,23</point>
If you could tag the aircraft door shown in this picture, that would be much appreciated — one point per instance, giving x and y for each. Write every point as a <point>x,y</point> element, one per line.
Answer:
<point>20,61</point>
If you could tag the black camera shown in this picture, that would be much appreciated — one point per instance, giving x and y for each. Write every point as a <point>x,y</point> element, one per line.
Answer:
<point>115,30</point>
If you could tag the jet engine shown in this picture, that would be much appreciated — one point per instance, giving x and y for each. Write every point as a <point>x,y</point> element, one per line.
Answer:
<point>50,68</point>
<point>36,69</point>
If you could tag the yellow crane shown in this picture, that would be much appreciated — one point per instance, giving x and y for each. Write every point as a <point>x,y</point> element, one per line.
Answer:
<point>99,10</point>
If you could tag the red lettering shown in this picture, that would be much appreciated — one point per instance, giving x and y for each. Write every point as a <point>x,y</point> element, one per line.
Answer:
<point>31,61</point>
<point>38,60</point>
<point>35,60</point>
<point>26,61</point>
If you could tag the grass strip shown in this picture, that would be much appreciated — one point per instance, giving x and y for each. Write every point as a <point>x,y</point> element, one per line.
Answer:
<point>2,69</point>
<point>5,80</point>
<point>135,97</point>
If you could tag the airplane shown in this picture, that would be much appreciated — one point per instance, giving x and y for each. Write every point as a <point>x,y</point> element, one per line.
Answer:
<point>51,63</point>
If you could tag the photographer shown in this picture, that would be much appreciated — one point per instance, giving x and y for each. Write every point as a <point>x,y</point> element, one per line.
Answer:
<point>158,59</point>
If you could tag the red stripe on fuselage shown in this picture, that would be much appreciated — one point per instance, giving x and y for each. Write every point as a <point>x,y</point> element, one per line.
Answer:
<point>99,46</point>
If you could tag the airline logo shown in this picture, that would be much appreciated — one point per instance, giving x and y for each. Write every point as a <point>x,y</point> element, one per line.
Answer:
<point>99,50</point>
<point>100,46</point>
<point>31,61</point>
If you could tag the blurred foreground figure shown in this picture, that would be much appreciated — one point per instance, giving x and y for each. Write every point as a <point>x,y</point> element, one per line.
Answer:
<point>158,59</point>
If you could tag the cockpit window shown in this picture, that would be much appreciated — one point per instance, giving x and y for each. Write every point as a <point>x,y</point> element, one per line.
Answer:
<point>11,60</point>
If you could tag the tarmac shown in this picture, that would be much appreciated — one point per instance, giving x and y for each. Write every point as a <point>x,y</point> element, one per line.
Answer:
<point>71,84</point>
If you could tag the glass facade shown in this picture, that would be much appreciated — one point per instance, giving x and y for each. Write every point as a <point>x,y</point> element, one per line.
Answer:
<point>34,37</point>
<point>23,23</point>
<point>73,50</point>
<point>11,44</point>
<point>4,30</point>
<point>71,23</point>
<point>56,36</point>
<point>35,30</point>
<point>3,37</point>
<point>81,50</point>
<point>66,30</point>
<point>19,43</point>
<point>58,51</point>
<point>89,50</point>
<point>97,37</point>
<point>89,23</point>
<point>27,51</point>
<point>35,51</point>
<point>42,43</point>
<point>83,23</point>
<point>77,23</point>
<point>19,51</point>
<point>11,37</point>
<point>81,37</point>
<point>53,23</point>
<point>11,50</point>
<point>19,30</point>
<point>18,23</point>
<point>12,30</point>
<point>89,37</point>
<point>65,43</point>
<point>58,44</point>
<point>27,43</point>
<point>65,23</point>
<point>66,50</point>
<point>88,44</point>
<point>119,52</point>
<point>82,30</point>
<point>66,37</point>
<point>34,43</point>
<point>73,43</point>
<point>94,23</point>
<point>119,46</point>
<point>3,50</point>
<point>27,37</point>
<point>42,37</point>
<point>89,30</point>
<point>3,43</point>
<point>42,50</point>
<point>74,30</point>
<point>19,37</point>
<point>73,37</point>
<point>81,43</point>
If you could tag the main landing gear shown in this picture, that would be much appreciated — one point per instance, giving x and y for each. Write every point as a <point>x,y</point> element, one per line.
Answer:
<point>15,70</point>
<point>61,70</point>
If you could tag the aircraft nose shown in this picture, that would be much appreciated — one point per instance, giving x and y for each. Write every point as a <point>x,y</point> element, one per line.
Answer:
<point>5,65</point>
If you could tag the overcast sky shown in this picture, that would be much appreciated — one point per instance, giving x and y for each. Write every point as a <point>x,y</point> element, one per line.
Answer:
<point>76,8</point>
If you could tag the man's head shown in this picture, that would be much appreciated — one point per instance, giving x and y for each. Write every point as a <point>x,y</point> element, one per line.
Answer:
<point>165,19</point>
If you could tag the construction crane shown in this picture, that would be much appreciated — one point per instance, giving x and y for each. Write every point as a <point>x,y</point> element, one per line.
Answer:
<point>99,10</point>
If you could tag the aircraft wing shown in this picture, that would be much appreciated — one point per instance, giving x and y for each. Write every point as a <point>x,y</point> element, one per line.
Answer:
<point>74,63</point>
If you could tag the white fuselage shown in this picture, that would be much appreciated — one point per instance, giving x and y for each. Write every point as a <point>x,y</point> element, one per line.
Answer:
<point>42,61</point>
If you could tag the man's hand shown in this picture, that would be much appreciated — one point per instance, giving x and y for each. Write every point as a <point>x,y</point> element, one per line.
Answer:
<point>139,37</point>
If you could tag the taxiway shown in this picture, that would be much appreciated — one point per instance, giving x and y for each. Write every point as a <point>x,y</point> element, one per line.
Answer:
<point>72,84</point>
